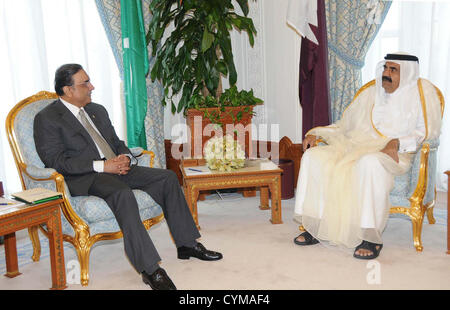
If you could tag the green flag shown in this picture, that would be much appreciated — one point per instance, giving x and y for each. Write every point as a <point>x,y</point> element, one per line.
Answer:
<point>135,68</point>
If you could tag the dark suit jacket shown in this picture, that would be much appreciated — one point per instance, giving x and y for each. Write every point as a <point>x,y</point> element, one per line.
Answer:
<point>63,144</point>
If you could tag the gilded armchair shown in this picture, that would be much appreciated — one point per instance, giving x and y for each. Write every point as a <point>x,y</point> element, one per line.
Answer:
<point>414,192</point>
<point>85,219</point>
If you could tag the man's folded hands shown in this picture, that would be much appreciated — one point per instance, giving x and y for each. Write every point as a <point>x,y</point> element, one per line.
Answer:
<point>391,149</point>
<point>118,165</point>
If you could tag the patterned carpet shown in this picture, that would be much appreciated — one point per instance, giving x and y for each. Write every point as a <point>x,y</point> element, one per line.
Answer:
<point>25,248</point>
<point>251,246</point>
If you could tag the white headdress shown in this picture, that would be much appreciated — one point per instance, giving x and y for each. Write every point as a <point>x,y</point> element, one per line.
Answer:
<point>409,74</point>
<point>405,98</point>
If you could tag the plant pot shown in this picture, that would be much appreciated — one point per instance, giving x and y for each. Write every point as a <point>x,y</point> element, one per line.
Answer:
<point>202,129</point>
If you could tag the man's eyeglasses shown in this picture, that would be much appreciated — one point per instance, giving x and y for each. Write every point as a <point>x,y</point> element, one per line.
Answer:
<point>85,84</point>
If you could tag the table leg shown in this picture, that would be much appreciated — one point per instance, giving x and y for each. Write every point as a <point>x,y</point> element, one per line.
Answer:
<point>264,198</point>
<point>194,197</point>
<point>12,266</point>
<point>275,191</point>
<point>55,241</point>
<point>33,233</point>
<point>251,192</point>
<point>191,196</point>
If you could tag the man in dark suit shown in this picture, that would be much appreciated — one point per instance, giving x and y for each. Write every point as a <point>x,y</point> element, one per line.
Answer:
<point>76,137</point>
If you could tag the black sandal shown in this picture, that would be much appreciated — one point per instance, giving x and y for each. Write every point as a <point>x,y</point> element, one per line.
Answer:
<point>309,239</point>
<point>366,245</point>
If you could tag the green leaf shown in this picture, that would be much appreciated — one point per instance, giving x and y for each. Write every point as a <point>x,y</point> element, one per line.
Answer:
<point>244,6</point>
<point>237,22</point>
<point>207,40</point>
<point>222,67</point>
<point>239,115</point>
<point>228,24</point>
<point>154,71</point>
<point>233,118</point>
<point>187,61</point>
<point>233,73</point>
<point>251,39</point>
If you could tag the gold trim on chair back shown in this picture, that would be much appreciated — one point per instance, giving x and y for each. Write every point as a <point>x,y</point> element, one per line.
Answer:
<point>10,131</point>
<point>441,100</point>
<point>417,209</point>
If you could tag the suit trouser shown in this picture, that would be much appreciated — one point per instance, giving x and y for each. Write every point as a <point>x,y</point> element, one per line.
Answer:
<point>162,185</point>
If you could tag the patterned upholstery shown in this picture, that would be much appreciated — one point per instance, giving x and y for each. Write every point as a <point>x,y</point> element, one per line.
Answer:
<point>405,184</point>
<point>92,210</point>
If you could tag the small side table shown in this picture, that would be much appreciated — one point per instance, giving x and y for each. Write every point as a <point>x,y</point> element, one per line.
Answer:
<point>252,175</point>
<point>448,213</point>
<point>287,177</point>
<point>30,216</point>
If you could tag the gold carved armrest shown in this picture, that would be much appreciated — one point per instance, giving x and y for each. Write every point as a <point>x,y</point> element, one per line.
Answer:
<point>51,175</point>
<point>319,140</point>
<point>422,181</point>
<point>146,158</point>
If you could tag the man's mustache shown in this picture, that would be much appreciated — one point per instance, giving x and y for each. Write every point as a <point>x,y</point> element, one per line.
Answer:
<point>386,78</point>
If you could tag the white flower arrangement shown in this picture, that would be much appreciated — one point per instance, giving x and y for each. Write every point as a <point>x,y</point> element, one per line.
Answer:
<point>223,153</point>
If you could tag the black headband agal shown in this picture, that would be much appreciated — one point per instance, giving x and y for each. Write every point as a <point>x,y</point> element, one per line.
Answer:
<point>401,57</point>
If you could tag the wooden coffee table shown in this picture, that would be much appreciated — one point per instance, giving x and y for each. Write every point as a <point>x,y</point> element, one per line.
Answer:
<point>262,174</point>
<point>29,216</point>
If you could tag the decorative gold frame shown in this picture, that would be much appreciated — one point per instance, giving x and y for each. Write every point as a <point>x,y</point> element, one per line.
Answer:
<point>417,209</point>
<point>82,240</point>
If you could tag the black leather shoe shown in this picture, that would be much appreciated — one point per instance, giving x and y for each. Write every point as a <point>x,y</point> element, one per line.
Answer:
<point>198,251</point>
<point>159,280</point>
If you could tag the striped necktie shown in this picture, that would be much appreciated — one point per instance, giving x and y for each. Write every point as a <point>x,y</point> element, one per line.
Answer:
<point>98,139</point>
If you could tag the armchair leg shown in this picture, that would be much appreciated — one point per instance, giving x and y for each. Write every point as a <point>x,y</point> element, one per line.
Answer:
<point>83,258</point>
<point>82,243</point>
<point>34,237</point>
<point>430,215</point>
<point>417,233</point>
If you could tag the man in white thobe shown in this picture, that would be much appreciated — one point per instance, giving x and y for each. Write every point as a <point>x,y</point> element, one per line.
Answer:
<point>343,188</point>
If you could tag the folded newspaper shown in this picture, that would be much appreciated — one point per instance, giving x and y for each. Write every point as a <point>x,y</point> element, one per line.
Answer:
<point>37,195</point>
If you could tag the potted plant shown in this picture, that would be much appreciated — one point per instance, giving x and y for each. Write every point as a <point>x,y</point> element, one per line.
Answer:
<point>196,55</point>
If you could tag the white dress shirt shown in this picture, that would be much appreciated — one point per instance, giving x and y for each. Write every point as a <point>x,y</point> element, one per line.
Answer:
<point>392,120</point>
<point>98,165</point>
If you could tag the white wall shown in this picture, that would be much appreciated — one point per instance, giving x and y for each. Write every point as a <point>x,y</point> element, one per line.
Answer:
<point>270,68</point>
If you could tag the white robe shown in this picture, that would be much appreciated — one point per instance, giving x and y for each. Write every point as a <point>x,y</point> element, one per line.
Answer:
<point>343,187</point>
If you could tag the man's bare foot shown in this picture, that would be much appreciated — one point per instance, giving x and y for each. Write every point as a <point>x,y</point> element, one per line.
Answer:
<point>305,238</point>
<point>300,238</point>
<point>367,250</point>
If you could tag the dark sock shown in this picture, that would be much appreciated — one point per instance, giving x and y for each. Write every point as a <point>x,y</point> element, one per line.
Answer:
<point>190,244</point>
<point>152,269</point>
